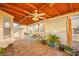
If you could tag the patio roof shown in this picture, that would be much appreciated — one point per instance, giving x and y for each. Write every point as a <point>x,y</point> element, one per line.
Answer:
<point>20,10</point>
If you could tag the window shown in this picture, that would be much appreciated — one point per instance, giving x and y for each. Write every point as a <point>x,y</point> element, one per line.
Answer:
<point>6,27</point>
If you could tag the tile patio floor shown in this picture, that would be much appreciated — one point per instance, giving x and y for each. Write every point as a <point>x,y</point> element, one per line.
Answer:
<point>32,48</point>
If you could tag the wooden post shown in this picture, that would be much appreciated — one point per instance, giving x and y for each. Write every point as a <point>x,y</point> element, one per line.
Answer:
<point>44,28</point>
<point>38,30</point>
<point>27,30</point>
<point>69,31</point>
<point>11,25</point>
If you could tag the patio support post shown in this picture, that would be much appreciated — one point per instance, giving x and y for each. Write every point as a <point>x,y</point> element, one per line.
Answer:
<point>27,30</point>
<point>44,28</point>
<point>38,30</point>
<point>69,31</point>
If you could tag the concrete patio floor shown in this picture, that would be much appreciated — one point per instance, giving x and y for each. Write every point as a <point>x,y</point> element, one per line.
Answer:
<point>32,48</point>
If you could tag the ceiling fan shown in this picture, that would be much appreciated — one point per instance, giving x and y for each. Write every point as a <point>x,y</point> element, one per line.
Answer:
<point>36,16</point>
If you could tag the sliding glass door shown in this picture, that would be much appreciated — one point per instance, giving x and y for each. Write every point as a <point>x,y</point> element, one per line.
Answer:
<point>75,32</point>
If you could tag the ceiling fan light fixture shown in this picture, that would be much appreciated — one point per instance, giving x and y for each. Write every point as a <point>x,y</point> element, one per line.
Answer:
<point>35,19</point>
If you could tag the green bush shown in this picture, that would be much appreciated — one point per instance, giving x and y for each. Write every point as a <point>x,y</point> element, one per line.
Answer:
<point>1,51</point>
<point>53,40</point>
<point>68,49</point>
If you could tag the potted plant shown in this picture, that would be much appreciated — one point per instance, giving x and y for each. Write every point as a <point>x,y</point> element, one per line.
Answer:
<point>43,41</point>
<point>1,51</point>
<point>66,49</point>
<point>53,40</point>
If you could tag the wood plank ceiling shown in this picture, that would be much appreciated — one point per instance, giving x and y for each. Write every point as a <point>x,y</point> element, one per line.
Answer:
<point>20,10</point>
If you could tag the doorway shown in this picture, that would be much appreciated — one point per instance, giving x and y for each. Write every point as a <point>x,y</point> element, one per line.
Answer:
<point>75,32</point>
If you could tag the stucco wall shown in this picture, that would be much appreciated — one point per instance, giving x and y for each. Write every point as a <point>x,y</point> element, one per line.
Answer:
<point>4,42</point>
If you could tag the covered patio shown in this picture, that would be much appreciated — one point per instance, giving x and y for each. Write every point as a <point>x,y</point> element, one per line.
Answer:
<point>24,27</point>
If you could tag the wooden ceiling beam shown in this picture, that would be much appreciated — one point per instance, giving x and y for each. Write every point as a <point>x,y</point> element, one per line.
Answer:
<point>52,5</point>
<point>34,7</point>
<point>31,6</point>
<point>12,12</point>
<point>56,10</point>
<point>24,7</point>
<point>46,15</point>
<point>15,8</point>
<point>43,7</point>
<point>49,9</point>
<point>47,12</point>
<point>37,5</point>
<point>63,8</point>
<point>70,6</point>
<point>26,21</point>
<point>74,6</point>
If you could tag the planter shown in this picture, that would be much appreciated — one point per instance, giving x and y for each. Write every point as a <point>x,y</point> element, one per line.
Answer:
<point>68,49</point>
<point>1,51</point>
<point>43,41</point>
<point>61,47</point>
<point>76,53</point>
<point>52,44</point>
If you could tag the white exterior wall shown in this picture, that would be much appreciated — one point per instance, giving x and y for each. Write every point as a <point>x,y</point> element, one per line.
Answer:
<point>4,42</point>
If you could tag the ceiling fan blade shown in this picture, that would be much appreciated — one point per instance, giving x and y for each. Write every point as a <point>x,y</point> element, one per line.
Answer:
<point>38,15</point>
<point>28,16</point>
<point>42,14</point>
<point>42,18</point>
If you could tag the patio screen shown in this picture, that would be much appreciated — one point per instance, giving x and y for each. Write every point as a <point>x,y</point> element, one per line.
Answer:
<point>58,27</point>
